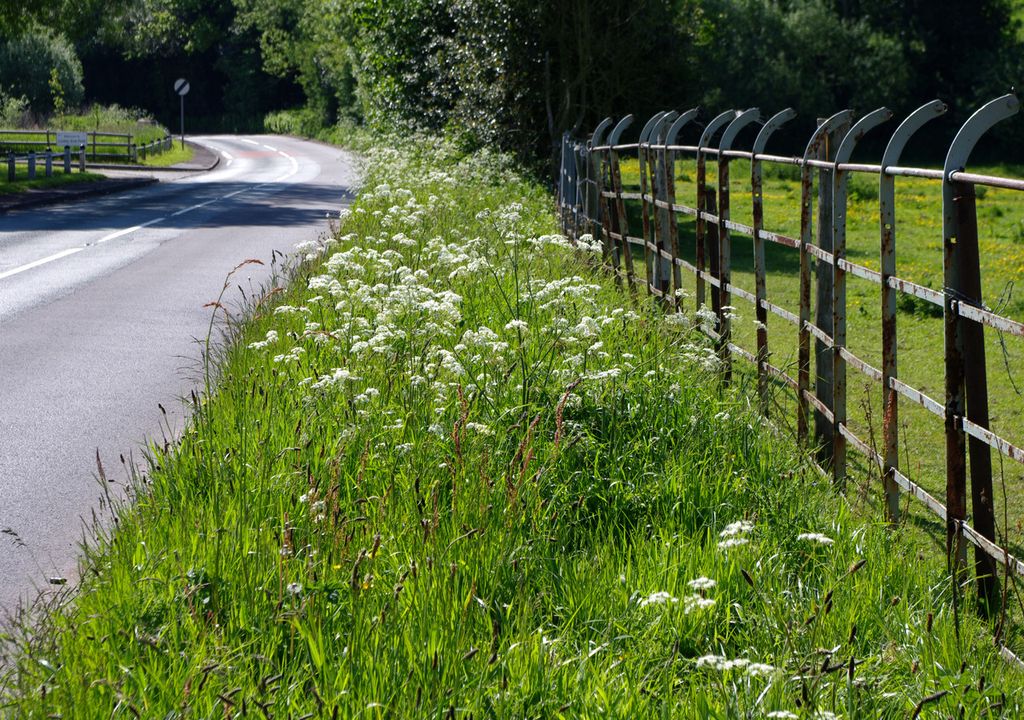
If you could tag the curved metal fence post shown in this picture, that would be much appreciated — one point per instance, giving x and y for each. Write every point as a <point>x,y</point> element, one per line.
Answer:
<point>562,181</point>
<point>957,249</point>
<point>660,277</point>
<point>840,179</point>
<point>804,346</point>
<point>670,197</point>
<point>742,120</point>
<point>887,222</point>
<point>704,201</point>
<point>597,161</point>
<point>760,272</point>
<point>621,223</point>
<point>644,159</point>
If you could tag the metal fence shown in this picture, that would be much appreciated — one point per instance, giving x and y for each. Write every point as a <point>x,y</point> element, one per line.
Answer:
<point>98,146</point>
<point>32,160</point>
<point>591,199</point>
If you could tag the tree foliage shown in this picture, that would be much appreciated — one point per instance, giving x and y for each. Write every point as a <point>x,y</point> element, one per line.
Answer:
<point>517,73</point>
<point>41,66</point>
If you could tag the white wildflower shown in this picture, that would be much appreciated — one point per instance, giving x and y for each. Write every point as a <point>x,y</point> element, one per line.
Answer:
<point>740,527</point>
<point>658,598</point>
<point>696,602</point>
<point>294,588</point>
<point>815,537</point>
<point>480,428</point>
<point>716,662</point>
<point>702,583</point>
<point>732,542</point>
<point>270,339</point>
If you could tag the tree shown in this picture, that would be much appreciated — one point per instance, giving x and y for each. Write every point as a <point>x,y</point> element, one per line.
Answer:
<point>41,66</point>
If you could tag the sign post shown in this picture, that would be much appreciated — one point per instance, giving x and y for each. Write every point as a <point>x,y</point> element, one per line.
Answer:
<point>181,87</point>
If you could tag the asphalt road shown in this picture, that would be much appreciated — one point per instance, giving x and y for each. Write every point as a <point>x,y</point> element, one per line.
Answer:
<point>101,307</point>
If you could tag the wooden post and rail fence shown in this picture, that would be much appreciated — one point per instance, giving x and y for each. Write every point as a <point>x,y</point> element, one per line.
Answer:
<point>17,147</point>
<point>592,200</point>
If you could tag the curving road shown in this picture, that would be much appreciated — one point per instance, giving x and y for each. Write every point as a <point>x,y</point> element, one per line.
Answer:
<point>101,303</point>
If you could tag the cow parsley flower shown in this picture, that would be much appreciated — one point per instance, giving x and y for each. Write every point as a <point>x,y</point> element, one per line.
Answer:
<point>658,598</point>
<point>740,527</point>
<point>816,538</point>
<point>702,583</point>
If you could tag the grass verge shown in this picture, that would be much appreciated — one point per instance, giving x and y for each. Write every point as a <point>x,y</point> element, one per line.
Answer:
<point>58,179</point>
<point>177,154</point>
<point>453,472</point>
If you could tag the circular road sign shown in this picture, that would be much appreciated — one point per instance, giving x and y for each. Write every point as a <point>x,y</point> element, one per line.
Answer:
<point>181,86</point>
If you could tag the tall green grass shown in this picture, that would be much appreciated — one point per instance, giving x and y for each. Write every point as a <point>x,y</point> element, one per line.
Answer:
<point>919,324</point>
<point>452,471</point>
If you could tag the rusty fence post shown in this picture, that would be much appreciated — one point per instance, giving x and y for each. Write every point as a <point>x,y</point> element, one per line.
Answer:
<point>887,256</point>
<point>672,237</point>
<point>823,311</point>
<point>760,272</point>
<point>976,390</point>
<point>952,263</point>
<point>660,181</point>
<point>643,152</point>
<point>597,171</point>
<point>814,145</point>
<point>725,313</point>
<point>562,172</point>
<point>705,206</point>
<point>840,179</point>
<point>621,254</point>
<point>654,181</point>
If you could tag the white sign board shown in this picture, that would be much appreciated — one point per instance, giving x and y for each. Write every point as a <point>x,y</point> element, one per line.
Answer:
<point>181,86</point>
<point>71,139</point>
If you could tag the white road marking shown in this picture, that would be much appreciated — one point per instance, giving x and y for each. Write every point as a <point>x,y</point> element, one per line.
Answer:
<point>295,167</point>
<point>271,148</point>
<point>227,156</point>
<point>126,231</point>
<point>41,261</point>
<point>154,221</point>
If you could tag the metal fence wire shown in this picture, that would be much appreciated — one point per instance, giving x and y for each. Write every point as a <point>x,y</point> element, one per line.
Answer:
<point>591,199</point>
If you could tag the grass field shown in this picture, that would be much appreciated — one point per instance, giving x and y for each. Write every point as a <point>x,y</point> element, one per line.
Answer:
<point>920,332</point>
<point>454,472</point>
